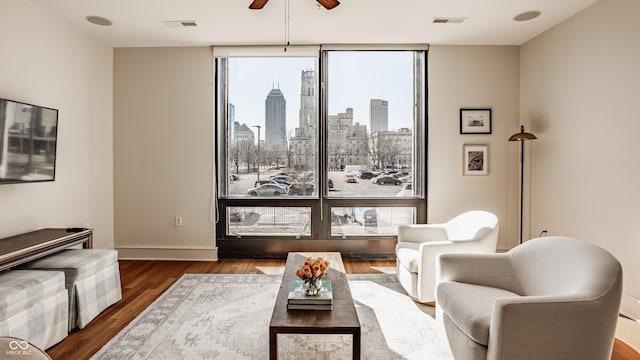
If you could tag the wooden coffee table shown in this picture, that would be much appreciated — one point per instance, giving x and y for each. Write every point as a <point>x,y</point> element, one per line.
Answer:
<point>343,319</point>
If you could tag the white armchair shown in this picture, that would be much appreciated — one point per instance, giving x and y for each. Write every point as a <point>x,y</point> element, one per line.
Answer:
<point>418,244</point>
<point>551,298</point>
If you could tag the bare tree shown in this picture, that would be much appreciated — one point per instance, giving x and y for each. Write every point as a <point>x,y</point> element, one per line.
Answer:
<point>384,149</point>
<point>332,153</point>
<point>374,150</point>
<point>392,150</point>
<point>234,156</point>
<point>247,154</point>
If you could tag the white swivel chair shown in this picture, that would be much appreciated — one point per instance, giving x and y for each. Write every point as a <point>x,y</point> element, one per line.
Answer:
<point>418,244</point>
<point>551,298</point>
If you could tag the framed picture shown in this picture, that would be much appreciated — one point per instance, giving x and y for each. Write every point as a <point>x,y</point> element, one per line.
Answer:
<point>475,159</point>
<point>475,121</point>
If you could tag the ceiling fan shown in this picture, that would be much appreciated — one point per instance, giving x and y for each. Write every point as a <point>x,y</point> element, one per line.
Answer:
<point>328,4</point>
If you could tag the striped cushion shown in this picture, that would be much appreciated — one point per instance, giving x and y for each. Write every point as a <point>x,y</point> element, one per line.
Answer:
<point>20,289</point>
<point>76,264</point>
<point>92,278</point>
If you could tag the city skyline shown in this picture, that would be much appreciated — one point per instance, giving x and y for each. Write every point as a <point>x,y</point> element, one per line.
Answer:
<point>252,79</point>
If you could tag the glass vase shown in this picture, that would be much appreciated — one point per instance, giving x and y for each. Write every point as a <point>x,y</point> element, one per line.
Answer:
<point>312,286</point>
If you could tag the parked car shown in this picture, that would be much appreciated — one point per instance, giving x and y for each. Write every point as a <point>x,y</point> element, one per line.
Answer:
<point>350,178</point>
<point>281,179</point>
<point>366,175</point>
<point>269,189</point>
<point>258,183</point>
<point>366,217</point>
<point>282,182</point>
<point>280,176</point>
<point>301,189</point>
<point>400,174</point>
<point>234,177</point>
<point>386,179</point>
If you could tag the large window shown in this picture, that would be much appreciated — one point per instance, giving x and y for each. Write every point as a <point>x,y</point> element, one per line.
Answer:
<point>324,146</point>
<point>272,124</point>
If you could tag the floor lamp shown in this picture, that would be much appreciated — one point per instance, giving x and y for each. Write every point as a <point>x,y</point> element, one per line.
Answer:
<point>522,137</point>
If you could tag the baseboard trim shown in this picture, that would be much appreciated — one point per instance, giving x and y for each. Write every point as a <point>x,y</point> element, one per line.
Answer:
<point>630,307</point>
<point>170,254</point>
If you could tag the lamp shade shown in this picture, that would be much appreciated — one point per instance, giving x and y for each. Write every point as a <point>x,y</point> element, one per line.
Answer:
<point>522,136</point>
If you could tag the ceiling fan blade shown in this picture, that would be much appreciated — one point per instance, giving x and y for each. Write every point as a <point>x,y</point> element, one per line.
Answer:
<point>329,4</point>
<point>258,4</point>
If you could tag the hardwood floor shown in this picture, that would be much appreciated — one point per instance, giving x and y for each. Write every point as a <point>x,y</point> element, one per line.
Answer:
<point>144,281</point>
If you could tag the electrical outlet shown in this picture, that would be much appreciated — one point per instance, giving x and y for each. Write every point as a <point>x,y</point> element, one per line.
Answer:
<point>178,221</point>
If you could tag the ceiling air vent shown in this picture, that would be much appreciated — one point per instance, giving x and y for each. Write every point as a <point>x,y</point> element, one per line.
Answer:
<point>180,23</point>
<point>448,20</point>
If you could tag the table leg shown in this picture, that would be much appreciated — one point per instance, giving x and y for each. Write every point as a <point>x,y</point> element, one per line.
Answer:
<point>356,345</point>
<point>273,344</point>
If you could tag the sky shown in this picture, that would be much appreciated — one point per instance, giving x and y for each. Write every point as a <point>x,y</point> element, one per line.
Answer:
<point>354,78</point>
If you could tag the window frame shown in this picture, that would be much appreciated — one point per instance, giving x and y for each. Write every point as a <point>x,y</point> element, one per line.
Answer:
<point>321,237</point>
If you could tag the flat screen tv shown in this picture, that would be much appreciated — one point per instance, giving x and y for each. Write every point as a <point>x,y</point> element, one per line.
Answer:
<point>28,135</point>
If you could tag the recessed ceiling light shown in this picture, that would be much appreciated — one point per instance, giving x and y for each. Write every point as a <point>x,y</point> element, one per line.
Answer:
<point>98,20</point>
<point>527,15</point>
<point>448,20</point>
<point>180,23</point>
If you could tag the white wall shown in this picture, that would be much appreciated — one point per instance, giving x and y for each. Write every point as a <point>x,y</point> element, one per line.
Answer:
<point>474,77</point>
<point>45,61</point>
<point>163,141</point>
<point>580,90</point>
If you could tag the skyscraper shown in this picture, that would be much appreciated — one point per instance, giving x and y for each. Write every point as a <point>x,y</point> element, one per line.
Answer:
<point>378,115</point>
<point>275,120</point>
<point>302,145</point>
<point>308,99</point>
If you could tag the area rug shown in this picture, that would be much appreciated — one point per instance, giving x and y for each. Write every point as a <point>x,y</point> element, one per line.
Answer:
<point>227,317</point>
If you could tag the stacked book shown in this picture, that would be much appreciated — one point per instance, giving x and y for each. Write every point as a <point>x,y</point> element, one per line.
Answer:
<point>298,300</point>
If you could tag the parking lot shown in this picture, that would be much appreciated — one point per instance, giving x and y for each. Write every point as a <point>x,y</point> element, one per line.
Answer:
<point>345,221</point>
<point>340,187</point>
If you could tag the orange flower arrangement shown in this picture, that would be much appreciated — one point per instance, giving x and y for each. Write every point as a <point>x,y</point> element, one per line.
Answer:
<point>312,269</point>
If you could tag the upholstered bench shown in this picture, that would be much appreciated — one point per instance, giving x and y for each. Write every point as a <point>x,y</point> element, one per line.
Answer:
<point>92,278</point>
<point>34,306</point>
